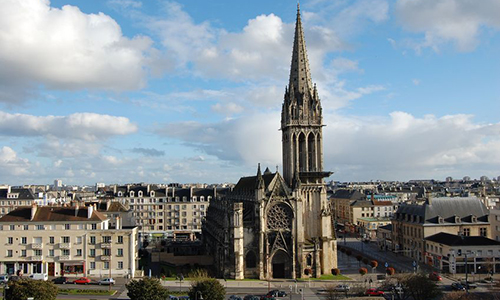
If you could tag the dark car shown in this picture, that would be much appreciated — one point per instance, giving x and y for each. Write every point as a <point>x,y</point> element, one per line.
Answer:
<point>457,286</point>
<point>60,280</point>
<point>276,293</point>
<point>251,297</point>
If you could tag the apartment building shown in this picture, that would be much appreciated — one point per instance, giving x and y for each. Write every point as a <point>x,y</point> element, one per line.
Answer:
<point>70,241</point>
<point>166,212</point>
<point>412,223</point>
<point>12,197</point>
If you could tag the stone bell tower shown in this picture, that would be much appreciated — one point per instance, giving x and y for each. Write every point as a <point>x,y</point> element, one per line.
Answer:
<point>302,139</point>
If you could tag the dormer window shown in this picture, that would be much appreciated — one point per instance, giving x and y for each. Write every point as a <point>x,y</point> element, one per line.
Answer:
<point>120,194</point>
<point>132,194</point>
<point>139,194</point>
<point>202,199</point>
<point>473,219</point>
<point>184,198</point>
<point>209,198</point>
<point>440,220</point>
<point>457,219</point>
<point>194,198</point>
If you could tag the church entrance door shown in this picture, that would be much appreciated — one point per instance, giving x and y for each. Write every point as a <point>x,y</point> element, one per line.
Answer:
<point>281,265</point>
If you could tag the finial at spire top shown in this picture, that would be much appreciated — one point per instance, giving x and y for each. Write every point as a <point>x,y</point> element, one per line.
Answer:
<point>298,5</point>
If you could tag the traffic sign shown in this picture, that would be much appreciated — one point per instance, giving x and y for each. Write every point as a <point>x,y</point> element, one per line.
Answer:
<point>414,263</point>
<point>386,264</point>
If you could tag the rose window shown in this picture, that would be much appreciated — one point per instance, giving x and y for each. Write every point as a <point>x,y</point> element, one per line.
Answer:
<point>279,217</point>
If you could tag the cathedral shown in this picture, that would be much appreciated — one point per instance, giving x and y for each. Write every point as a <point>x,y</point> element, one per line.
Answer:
<point>274,225</point>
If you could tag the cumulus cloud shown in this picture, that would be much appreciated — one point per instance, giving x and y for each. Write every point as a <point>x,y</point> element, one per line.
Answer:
<point>85,126</point>
<point>67,49</point>
<point>10,162</point>
<point>442,21</point>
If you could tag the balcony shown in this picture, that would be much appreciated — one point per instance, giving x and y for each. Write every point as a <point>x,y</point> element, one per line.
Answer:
<point>37,258</point>
<point>64,245</point>
<point>105,257</point>
<point>36,246</point>
<point>64,257</point>
<point>105,245</point>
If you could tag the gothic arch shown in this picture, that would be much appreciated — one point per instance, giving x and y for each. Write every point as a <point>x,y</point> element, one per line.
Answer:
<point>250,260</point>
<point>281,264</point>
<point>311,151</point>
<point>302,151</point>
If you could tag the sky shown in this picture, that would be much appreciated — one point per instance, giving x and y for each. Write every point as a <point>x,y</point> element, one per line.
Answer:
<point>124,91</point>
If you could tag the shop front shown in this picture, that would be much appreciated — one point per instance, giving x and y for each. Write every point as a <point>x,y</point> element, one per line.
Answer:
<point>73,268</point>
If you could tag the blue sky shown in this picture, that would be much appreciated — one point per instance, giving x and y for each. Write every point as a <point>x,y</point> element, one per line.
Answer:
<point>124,91</point>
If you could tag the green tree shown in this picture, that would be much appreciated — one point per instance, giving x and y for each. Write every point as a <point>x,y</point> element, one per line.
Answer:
<point>209,288</point>
<point>146,289</point>
<point>39,290</point>
<point>420,287</point>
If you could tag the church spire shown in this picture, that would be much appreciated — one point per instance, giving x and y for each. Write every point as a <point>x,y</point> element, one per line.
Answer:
<point>300,76</point>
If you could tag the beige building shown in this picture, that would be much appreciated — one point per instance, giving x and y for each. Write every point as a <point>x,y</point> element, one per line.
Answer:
<point>414,222</point>
<point>74,241</point>
<point>368,226</point>
<point>450,253</point>
<point>11,198</point>
<point>495,222</point>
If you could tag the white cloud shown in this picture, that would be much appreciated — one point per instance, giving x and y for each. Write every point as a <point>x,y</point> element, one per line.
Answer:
<point>227,109</point>
<point>86,126</point>
<point>67,49</point>
<point>12,164</point>
<point>442,21</point>
<point>416,81</point>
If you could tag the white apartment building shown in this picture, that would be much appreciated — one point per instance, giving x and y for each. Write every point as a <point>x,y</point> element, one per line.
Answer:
<point>70,241</point>
<point>167,212</point>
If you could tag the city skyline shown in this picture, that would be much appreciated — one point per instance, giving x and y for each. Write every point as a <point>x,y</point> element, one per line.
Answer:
<point>127,91</point>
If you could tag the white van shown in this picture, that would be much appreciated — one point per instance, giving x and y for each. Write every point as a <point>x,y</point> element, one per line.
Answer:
<point>39,276</point>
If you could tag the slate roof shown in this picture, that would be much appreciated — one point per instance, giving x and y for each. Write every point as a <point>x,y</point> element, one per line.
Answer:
<point>348,194</point>
<point>447,208</point>
<point>114,206</point>
<point>250,182</point>
<point>456,240</point>
<point>23,193</point>
<point>386,227</point>
<point>52,214</point>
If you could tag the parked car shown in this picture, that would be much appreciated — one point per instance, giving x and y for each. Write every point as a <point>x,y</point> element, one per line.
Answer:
<point>276,293</point>
<point>170,297</point>
<point>184,298</point>
<point>374,292</point>
<point>4,278</point>
<point>457,286</point>
<point>342,288</point>
<point>106,281</point>
<point>39,276</point>
<point>60,280</point>
<point>81,280</point>
<point>251,297</point>
<point>235,297</point>
<point>434,276</point>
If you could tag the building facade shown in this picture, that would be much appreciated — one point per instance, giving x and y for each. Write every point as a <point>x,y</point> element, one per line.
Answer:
<point>70,241</point>
<point>278,226</point>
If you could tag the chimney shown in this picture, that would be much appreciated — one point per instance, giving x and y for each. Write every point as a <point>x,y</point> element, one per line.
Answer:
<point>34,208</point>
<point>90,210</point>
<point>77,207</point>
<point>118,223</point>
<point>215,192</point>
<point>108,204</point>
<point>8,189</point>
<point>173,191</point>
<point>148,189</point>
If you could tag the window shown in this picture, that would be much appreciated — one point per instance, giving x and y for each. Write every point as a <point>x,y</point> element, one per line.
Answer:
<point>51,240</point>
<point>120,265</point>
<point>78,252</point>
<point>94,226</point>
<point>65,239</point>
<point>9,253</point>
<point>92,240</point>
<point>483,231</point>
<point>466,232</point>
<point>65,252</point>
<point>92,265</point>
<point>92,253</point>
<point>78,239</point>
<point>24,240</point>
<point>26,227</point>
<point>10,240</point>
<point>67,226</point>
<point>120,239</point>
<point>51,252</point>
<point>106,252</point>
<point>40,227</point>
<point>12,227</point>
<point>23,253</point>
<point>106,239</point>
<point>106,265</point>
<point>38,252</point>
<point>120,252</point>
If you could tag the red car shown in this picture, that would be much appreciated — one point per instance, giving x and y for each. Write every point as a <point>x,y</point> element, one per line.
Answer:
<point>373,292</point>
<point>82,280</point>
<point>435,276</point>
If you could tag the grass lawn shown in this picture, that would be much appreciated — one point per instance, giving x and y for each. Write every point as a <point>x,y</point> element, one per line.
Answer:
<point>86,292</point>
<point>327,277</point>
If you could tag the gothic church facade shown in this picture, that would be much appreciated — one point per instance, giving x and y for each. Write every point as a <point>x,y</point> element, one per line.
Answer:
<point>280,226</point>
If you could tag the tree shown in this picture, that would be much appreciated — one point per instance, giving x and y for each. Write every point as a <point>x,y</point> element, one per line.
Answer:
<point>146,289</point>
<point>366,261</point>
<point>209,288</point>
<point>38,289</point>
<point>420,287</point>
<point>390,271</point>
<point>363,271</point>
<point>374,263</point>
<point>307,271</point>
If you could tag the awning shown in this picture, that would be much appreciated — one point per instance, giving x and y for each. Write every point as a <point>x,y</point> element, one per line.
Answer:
<point>157,234</point>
